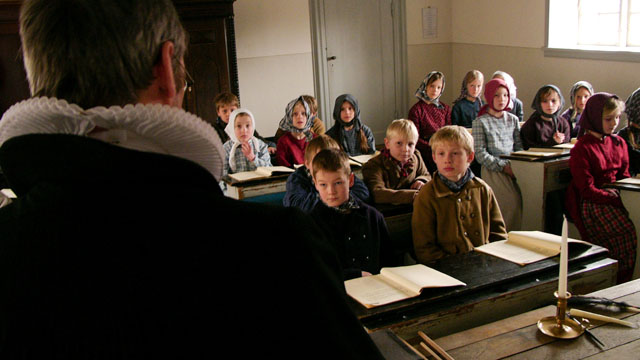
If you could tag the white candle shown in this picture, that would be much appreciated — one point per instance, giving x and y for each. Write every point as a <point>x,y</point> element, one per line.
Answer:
<point>564,252</point>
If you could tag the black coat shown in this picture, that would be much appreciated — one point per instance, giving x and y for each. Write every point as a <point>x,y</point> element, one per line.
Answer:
<point>360,238</point>
<point>114,253</point>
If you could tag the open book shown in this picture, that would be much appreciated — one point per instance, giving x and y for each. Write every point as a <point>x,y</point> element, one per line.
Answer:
<point>631,180</point>
<point>260,172</point>
<point>526,247</point>
<point>360,160</point>
<point>541,152</point>
<point>397,283</point>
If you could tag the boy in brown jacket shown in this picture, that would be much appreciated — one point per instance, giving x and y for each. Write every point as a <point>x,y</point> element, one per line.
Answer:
<point>455,211</point>
<point>398,172</point>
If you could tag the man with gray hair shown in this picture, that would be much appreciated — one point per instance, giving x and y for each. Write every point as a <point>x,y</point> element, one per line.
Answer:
<point>120,243</point>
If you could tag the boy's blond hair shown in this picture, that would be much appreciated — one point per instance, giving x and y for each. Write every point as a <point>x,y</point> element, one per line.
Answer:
<point>453,134</point>
<point>331,160</point>
<point>317,144</point>
<point>403,128</point>
<point>226,98</point>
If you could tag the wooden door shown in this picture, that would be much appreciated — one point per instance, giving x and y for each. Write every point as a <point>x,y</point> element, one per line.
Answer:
<point>359,38</point>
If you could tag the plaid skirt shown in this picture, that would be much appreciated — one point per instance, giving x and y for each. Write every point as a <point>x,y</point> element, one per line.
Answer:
<point>610,227</point>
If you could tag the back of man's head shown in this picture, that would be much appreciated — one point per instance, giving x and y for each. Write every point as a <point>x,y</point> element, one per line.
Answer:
<point>97,52</point>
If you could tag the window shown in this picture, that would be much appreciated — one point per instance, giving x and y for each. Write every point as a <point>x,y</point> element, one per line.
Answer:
<point>607,29</point>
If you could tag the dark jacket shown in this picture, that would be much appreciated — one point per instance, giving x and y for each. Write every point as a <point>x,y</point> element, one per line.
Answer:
<point>302,194</point>
<point>360,238</point>
<point>114,253</point>
<point>631,136</point>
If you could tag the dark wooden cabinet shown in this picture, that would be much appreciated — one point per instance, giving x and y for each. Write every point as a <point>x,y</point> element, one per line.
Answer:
<point>211,57</point>
<point>13,78</point>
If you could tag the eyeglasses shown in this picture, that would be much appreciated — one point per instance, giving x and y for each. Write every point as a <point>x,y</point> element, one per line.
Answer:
<point>188,80</point>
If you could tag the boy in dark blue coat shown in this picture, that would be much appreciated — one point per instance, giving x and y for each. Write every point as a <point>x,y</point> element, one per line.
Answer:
<point>357,231</point>
<point>301,192</point>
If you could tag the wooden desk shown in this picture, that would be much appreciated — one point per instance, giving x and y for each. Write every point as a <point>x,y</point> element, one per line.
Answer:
<point>518,337</point>
<point>537,177</point>
<point>272,185</point>
<point>247,189</point>
<point>495,289</point>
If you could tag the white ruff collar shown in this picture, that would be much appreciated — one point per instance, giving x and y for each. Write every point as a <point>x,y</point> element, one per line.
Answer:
<point>153,128</point>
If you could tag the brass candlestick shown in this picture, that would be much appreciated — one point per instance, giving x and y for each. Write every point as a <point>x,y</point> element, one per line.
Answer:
<point>560,326</point>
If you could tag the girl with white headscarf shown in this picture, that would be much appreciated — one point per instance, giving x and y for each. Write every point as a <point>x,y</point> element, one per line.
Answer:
<point>243,151</point>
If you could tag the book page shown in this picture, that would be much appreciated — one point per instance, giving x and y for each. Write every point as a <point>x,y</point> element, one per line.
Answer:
<point>417,277</point>
<point>554,150</point>
<point>632,181</point>
<point>371,291</point>
<point>535,153</point>
<point>535,240</point>
<point>246,175</point>
<point>515,253</point>
<point>270,170</point>
<point>361,159</point>
<point>525,247</point>
<point>568,145</point>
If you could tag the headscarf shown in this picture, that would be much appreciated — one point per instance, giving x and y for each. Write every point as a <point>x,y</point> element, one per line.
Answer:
<point>572,95</point>
<point>537,106</point>
<point>489,91</point>
<point>286,124</point>
<point>511,85</point>
<point>591,118</point>
<point>632,107</point>
<point>229,129</point>
<point>421,93</point>
<point>356,109</point>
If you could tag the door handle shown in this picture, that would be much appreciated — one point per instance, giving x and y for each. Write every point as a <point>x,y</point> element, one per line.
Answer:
<point>331,58</point>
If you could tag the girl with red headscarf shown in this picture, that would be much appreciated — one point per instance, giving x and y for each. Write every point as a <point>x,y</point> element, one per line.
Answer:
<point>496,132</point>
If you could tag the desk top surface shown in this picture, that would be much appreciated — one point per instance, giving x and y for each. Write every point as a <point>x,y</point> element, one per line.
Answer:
<point>518,337</point>
<point>481,272</point>
<point>549,158</point>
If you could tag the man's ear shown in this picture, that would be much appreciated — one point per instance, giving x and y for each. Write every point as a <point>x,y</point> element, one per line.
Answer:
<point>163,71</point>
<point>163,87</point>
<point>352,178</point>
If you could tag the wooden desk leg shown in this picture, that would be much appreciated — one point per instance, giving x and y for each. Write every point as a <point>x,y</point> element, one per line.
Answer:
<point>530,178</point>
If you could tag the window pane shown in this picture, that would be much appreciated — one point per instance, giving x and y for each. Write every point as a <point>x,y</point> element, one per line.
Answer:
<point>633,35</point>
<point>599,22</point>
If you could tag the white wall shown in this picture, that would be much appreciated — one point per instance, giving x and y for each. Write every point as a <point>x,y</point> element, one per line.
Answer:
<point>275,62</point>
<point>509,35</point>
<point>428,54</point>
<point>273,43</point>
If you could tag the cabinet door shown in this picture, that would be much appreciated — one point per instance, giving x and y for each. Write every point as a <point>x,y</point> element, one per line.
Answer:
<point>211,56</point>
<point>207,62</point>
<point>13,78</point>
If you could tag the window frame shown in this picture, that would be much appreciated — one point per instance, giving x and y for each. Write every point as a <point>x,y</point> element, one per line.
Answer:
<point>591,54</point>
